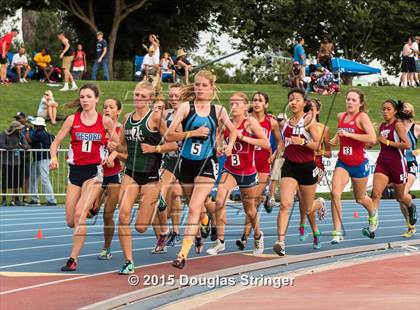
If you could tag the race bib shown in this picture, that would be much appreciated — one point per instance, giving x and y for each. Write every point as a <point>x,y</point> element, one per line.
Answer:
<point>235,160</point>
<point>196,149</point>
<point>347,150</point>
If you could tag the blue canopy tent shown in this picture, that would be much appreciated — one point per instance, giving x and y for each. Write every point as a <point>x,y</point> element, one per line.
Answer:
<point>342,65</point>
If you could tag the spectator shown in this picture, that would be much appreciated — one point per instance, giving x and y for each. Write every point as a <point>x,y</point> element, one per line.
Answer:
<point>11,143</point>
<point>47,108</point>
<point>182,66</point>
<point>295,79</point>
<point>20,61</point>
<point>167,65</point>
<point>326,51</point>
<point>79,63</point>
<point>415,48</point>
<point>24,156</point>
<point>5,43</point>
<point>101,57</point>
<point>300,56</point>
<point>40,139</point>
<point>154,42</point>
<point>43,62</point>
<point>150,66</point>
<point>67,56</point>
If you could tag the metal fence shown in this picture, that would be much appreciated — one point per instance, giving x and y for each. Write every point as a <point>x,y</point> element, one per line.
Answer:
<point>24,173</point>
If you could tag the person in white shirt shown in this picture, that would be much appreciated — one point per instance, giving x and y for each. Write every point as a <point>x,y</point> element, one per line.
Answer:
<point>150,64</point>
<point>20,61</point>
<point>415,48</point>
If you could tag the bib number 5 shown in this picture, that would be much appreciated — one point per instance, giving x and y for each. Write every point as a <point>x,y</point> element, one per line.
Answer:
<point>196,149</point>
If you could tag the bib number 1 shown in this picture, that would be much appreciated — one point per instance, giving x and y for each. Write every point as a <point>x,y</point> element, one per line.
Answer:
<point>86,146</point>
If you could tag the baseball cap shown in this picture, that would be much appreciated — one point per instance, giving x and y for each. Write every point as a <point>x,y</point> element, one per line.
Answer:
<point>20,114</point>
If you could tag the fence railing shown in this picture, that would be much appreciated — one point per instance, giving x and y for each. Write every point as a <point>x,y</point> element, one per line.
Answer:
<point>26,172</point>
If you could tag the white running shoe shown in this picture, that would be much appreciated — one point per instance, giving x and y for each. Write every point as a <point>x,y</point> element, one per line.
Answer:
<point>280,248</point>
<point>65,88</point>
<point>216,248</point>
<point>259,245</point>
<point>337,237</point>
<point>74,87</point>
<point>322,212</point>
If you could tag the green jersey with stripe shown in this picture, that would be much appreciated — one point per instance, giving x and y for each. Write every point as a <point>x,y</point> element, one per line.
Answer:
<point>137,132</point>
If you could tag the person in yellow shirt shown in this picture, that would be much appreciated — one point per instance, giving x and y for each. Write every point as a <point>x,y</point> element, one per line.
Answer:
<point>43,62</point>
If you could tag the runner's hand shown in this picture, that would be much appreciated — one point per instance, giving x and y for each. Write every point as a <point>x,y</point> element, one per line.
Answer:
<point>202,132</point>
<point>54,164</point>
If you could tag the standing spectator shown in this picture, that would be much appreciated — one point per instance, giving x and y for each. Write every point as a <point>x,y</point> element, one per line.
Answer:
<point>47,108</point>
<point>408,65</point>
<point>43,62</point>
<point>67,56</point>
<point>5,43</point>
<point>79,63</point>
<point>300,56</point>
<point>40,139</point>
<point>150,66</point>
<point>11,142</point>
<point>182,65</point>
<point>415,48</point>
<point>325,53</point>
<point>20,61</point>
<point>101,57</point>
<point>154,42</point>
<point>25,159</point>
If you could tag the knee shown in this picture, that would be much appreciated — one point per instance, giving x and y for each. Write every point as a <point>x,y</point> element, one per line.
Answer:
<point>285,205</point>
<point>124,217</point>
<point>376,195</point>
<point>70,223</point>
<point>194,211</point>
<point>140,228</point>
<point>335,194</point>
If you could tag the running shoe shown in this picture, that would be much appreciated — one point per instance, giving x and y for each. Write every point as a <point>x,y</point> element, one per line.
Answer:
<point>259,245</point>
<point>322,212</point>
<point>160,247</point>
<point>12,203</point>
<point>337,237</point>
<point>373,225</point>
<point>71,265</point>
<point>217,247</point>
<point>173,239</point>
<point>302,232</point>
<point>213,234</point>
<point>199,245</point>
<point>412,214</point>
<point>411,230</point>
<point>105,254</point>
<point>127,268</point>
<point>317,240</point>
<point>179,262</point>
<point>205,229</point>
<point>241,243</point>
<point>279,248</point>
<point>269,204</point>
<point>92,211</point>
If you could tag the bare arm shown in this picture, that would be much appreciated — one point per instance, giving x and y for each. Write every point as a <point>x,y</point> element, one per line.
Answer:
<point>326,152</point>
<point>260,139</point>
<point>365,123</point>
<point>401,132</point>
<point>103,54</point>
<point>66,47</point>
<point>225,122</point>
<point>110,128</point>
<point>65,129</point>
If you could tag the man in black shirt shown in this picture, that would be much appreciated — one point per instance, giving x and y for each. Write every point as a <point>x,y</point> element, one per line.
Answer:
<point>101,57</point>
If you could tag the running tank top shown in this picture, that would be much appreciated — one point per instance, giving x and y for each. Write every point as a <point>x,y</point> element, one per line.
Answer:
<point>351,152</point>
<point>87,143</point>
<point>168,119</point>
<point>242,160</point>
<point>137,132</point>
<point>297,153</point>
<point>69,52</point>
<point>262,155</point>
<point>413,144</point>
<point>388,153</point>
<point>117,164</point>
<point>198,148</point>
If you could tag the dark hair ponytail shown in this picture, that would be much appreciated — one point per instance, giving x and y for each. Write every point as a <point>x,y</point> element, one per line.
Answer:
<point>399,107</point>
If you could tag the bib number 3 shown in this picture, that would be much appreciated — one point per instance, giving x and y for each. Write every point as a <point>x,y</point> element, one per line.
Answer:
<point>235,160</point>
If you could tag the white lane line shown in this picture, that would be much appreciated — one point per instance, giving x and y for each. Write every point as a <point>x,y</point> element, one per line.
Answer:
<point>31,218</point>
<point>153,237</point>
<point>142,266</point>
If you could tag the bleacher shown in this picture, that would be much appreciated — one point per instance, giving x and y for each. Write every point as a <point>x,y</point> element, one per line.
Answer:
<point>137,75</point>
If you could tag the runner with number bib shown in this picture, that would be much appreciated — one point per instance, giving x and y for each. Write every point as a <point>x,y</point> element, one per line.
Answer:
<point>391,165</point>
<point>87,129</point>
<point>354,131</point>
<point>239,170</point>
<point>200,119</point>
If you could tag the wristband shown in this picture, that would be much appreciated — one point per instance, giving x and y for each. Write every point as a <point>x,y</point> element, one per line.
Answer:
<point>53,157</point>
<point>188,135</point>
<point>157,149</point>
<point>387,142</point>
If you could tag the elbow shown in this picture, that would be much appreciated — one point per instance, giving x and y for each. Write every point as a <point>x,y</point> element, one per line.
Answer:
<point>406,146</point>
<point>371,140</point>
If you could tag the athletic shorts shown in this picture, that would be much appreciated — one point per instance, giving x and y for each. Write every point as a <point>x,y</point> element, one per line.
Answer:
<point>303,173</point>
<point>111,179</point>
<point>408,64</point>
<point>244,181</point>
<point>171,164</point>
<point>358,172</point>
<point>412,167</point>
<point>190,169</point>
<point>143,178</point>
<point>79,174</point>
<point>395,171</point>
<point>418,65</point>
<point>3,61</point>
<point>67,60</point>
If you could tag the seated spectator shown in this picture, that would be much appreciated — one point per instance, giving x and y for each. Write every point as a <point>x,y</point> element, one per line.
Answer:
<point>19,62</point>
<point>48,107</point>
<point>167,65</point>
<point>149,65</point>
<point>295,79</point>
<point>40,139</point>
<point>322,80</point>
<point>79,63</point>
<point>12,143</point>
<point>43,62</point>
<point>182,66</point>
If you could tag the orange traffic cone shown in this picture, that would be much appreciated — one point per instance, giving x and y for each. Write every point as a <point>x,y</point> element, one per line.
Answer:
<point>356,215</point>
<point>39,235</point>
